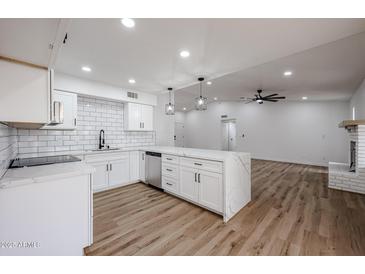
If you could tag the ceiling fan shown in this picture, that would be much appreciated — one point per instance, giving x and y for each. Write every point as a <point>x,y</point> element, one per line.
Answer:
<point>260,99</point>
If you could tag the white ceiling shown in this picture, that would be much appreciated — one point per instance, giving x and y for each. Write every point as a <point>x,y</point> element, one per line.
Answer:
<point>149,53</point>
<point>229,49</point>
<point>329,72</point>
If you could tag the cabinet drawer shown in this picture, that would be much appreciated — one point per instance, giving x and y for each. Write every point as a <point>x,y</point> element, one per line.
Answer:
<point>212,166</point>
<point>172,159</point>
<point>170,184</point>
<point>170,171</point>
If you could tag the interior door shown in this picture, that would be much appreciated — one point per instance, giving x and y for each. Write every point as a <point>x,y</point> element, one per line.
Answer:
<point>179,135</point>
<point>100,176</point>
<point>119,171</point>
<point>147,117</point>
<point>210,190</point>
<point>188,183</point>
<point>231,136</point>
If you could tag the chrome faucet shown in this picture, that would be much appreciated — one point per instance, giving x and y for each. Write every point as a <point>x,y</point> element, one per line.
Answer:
<point>101,139</point>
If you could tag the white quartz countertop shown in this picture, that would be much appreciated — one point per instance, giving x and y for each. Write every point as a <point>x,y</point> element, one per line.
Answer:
<point>37,174</point>
<point>215,155</point>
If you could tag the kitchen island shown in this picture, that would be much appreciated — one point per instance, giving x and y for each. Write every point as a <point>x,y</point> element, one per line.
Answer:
<point>219,181</point>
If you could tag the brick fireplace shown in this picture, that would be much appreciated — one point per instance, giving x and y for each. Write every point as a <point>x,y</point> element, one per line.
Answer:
<point>351,176</point>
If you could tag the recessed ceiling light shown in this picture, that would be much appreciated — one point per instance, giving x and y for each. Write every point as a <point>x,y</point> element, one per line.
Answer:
<point>128,22</point>
<point>132,81</point>
<point>304,98</point>
<point>86,69</point>
<point>288,73</point>
<point>184,108</point>
<point>215,98</point>
<point>209,83</point>
<point>184,54</point>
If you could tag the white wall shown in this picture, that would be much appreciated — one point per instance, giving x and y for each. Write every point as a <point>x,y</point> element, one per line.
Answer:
<point>358,102</point>
<point>299,132</point>
<point>93,88</point>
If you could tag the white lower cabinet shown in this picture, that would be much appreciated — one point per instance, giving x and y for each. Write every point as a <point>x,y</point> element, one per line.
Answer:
<point>202,187</point>
<point>100,177</point>
<point>210,190</point>
<point>119,172</point>
<point>142,166</point>
<point>188,183</point>
<point>134,165</point>
<point>114,170</point>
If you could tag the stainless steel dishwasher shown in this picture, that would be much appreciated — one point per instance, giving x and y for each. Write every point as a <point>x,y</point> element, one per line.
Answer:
<point>153,168</point>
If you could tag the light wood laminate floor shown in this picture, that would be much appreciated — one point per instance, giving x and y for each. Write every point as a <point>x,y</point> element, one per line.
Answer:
<point>292,212</point>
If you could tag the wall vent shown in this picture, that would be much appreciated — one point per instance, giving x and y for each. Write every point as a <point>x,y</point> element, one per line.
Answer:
<point>133,95</point>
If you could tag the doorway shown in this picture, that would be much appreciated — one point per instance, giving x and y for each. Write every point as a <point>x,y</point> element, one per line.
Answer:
<point>229,135</point>
<point>179,135</point>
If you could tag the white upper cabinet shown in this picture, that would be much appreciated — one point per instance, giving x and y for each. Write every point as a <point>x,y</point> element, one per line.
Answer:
<point>147,117</point>
<point>25,94</point>
<point>138,117</point>
<point>69,112</point>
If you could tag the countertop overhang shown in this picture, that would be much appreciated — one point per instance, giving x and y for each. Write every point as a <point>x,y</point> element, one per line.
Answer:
<point>351,123</point>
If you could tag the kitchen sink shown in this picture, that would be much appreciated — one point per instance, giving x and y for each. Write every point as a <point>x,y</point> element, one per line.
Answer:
<point>106,149</point>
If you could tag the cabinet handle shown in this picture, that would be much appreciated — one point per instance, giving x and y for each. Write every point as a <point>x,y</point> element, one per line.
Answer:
<point>111,167</point>
<point>143,156</point>
<point>168,169</point>
<point>140,125</point>
<point>199,178</point>
<point>107,167</point>
<point>197,164</point>
<point>195,176</point>
<point>75,121</point>
<point>169,159</point>
<point>168,184</point>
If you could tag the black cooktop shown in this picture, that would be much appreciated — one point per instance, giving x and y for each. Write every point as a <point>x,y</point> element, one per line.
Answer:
<point>40,161</point>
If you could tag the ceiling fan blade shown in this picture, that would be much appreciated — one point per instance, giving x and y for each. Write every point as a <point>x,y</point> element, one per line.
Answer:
<point>270,95</point>
<point>280,97</point>
<point>270,100</point>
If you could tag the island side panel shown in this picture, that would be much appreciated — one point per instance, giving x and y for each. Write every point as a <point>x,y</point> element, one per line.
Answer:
<point>237,192</point>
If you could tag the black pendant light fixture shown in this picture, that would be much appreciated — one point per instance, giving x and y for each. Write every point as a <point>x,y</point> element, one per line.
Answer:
<point>170,107</point>
<point>201,103</point>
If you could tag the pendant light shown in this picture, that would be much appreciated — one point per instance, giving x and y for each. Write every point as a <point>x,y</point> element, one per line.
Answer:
<point>201,102</point>
<point>170,108</point>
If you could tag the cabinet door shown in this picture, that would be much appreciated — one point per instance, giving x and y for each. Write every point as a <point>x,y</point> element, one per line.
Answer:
<point>142,166</point>
<point>147,117</point>
<point>69,101</point>
<point>133,119</point>
<point>189,184</point>
<point>134,165</point>
<point>24,93</point>
<point>210,190</point>
<point>100,176</point>
<point>119,171</point>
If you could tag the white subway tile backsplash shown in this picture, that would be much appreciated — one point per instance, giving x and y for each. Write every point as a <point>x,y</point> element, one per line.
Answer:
<point>93,115</point>
<point>8,147</point>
